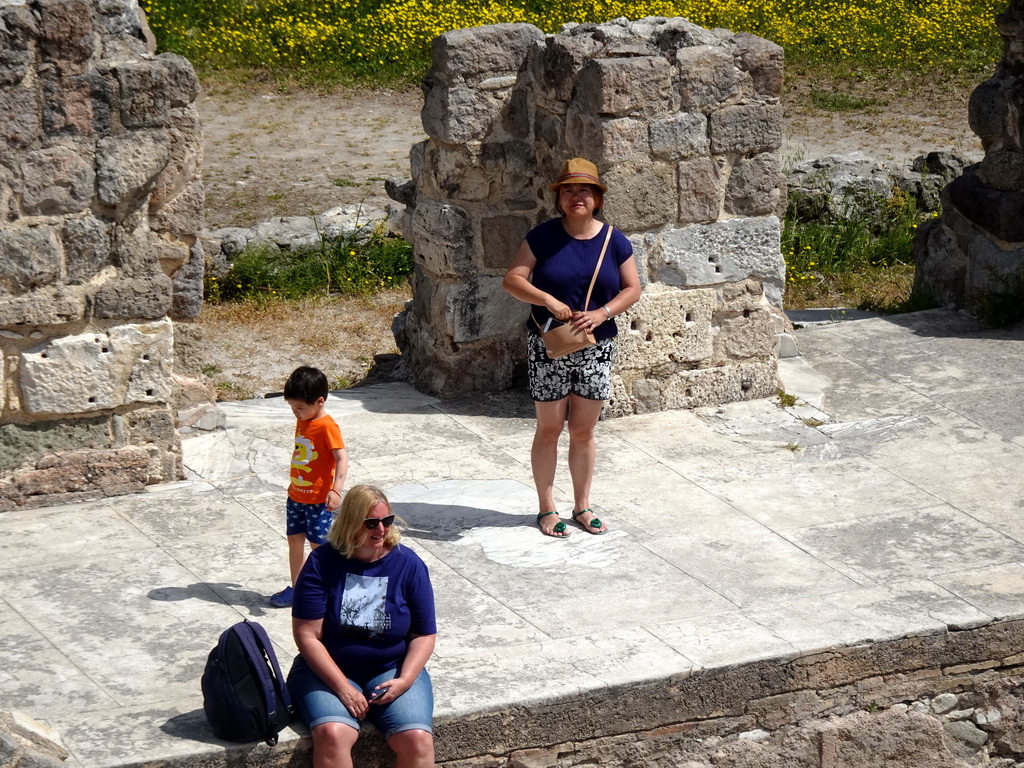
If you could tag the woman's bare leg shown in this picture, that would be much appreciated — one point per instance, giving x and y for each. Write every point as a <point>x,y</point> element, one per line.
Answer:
<point>332,745</point>
<point>544,456</point>
<point>583,416</point>
<point>413,749</point>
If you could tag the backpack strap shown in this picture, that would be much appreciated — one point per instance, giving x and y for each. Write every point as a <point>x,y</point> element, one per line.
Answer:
<point>268,651</point>
<point>255,642</point>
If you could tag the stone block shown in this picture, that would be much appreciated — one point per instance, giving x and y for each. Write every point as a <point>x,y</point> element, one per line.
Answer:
<point>86,244</point>
<point>640,196</point>
<point>496,48</point>
<point>125,469</point>
<point>501,237</point>
<point>67,36</point>
<point>187,287</point>
<point>756,186</point>
<point>185,158</point>
<point>56,181</point>
<point>744,324</point>
<point>144,97</point>
<point>20,117</point>
<point>147,298</point>
<point>443,239</point>
<point>480,171</point>
<point>666,326</point>
<point>182,215</point>
<point>22,445</point>
<point>746,128</point>
<point>15,56</point>
<point>181,84</point>
<point>605,140</point>
<point>481,308</point>
<point>128,166</point>
<point>700,191</point>
<point>706,77</point>
<point>51,305</point>
<point>26,743</point>
<point>722,384</point>
<point>762,59</point>
<point>30,258</point>
<point>726,251</point>
<point>68,104</point>
<point>628,86</point>
<point>997,211</point>
<point>456,114</point>
<point>557,64</point>
<point>681,136</point>
<point>98,371</point>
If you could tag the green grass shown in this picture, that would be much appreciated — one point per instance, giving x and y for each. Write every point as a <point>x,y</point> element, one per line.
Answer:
<point>864,260</point>
<point>837,101</point>
<point>349,265</point>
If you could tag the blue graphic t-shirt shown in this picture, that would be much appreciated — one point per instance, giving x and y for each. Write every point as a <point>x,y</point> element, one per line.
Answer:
<point>369,609</point>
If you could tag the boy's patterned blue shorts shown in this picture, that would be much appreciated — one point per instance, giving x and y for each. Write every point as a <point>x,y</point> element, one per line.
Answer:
<point>311,519</point>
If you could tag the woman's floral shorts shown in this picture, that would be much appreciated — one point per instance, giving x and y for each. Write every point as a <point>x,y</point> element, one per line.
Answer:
<point>586,372</point>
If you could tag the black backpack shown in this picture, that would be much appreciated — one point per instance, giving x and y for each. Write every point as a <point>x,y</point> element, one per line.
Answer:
<point>244,694</point>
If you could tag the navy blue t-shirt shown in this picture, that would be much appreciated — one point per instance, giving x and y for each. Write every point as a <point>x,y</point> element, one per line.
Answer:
<point>369,609</point>
<point>565,266</point>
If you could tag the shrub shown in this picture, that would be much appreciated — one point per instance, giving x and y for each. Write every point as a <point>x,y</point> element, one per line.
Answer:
<point>347,265</point>
<point>866,256</point>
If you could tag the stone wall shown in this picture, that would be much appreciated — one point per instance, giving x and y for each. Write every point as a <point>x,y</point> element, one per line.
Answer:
<point>100,204</point>
<point>686,127</point>
<point>949,699</point>
<point>973,256</point>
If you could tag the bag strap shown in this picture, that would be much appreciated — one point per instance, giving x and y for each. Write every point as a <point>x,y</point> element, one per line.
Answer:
<point>597,269</point>
<point>590,288</point>
<point>255,641</point>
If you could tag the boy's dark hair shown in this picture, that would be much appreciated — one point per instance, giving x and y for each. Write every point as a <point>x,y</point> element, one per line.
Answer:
<point>306,384</point>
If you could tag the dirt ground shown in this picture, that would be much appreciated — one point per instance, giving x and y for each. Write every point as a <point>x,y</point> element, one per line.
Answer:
<point>270,154</point>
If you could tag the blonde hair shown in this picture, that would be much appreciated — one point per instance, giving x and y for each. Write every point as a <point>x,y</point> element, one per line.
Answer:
<point>348,531</point>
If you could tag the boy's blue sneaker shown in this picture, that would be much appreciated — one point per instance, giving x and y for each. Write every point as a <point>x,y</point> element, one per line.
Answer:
<point>282,599</point>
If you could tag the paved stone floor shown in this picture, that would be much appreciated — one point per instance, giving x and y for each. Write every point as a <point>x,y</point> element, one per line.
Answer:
<point>889,501</point>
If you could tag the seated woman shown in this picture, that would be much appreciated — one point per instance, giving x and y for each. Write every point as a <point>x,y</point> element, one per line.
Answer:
<point>363,621</point>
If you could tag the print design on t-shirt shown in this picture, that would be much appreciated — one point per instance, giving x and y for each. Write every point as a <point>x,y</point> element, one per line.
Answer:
<point>302,457</point>
<point>364,606</point>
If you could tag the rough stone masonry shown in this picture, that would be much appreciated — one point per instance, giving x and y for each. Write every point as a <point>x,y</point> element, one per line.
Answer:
<point>100,203</point>
<point>686,127</point>
<point>973,256</point>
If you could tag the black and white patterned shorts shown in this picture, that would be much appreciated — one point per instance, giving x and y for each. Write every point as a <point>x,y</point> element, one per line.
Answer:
<point>586,372</point>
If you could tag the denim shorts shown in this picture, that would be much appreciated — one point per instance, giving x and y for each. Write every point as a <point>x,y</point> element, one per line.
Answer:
<point>317,704</point>
<point>313,520</point>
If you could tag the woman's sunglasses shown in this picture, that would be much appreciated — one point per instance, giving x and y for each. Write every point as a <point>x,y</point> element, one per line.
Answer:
<point>371,522</point>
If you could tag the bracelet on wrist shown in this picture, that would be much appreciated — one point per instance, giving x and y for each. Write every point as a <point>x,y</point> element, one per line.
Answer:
<point>605,308</point>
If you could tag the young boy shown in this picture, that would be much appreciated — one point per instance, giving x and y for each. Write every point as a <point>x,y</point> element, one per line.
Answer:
<point>319,466</point>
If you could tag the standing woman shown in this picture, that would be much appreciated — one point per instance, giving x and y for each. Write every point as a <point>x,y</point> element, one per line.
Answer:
<point>363,620</point>
<point>552,271</point>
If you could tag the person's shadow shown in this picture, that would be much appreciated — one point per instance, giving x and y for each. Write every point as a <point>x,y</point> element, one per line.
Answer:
<point>213,592</point>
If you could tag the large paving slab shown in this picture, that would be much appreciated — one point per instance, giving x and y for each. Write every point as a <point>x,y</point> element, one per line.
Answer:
<point>886,503</point>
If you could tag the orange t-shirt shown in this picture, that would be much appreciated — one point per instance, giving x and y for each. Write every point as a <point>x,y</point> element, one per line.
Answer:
<point>313,462</point>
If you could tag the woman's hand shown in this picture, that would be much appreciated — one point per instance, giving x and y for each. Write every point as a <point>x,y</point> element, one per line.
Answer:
<point>353,700</point>
<point>389,690</point>
<point>558,309</point>
<point>588,321</point>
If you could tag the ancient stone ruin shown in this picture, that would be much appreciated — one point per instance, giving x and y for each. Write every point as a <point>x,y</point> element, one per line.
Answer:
<point>100,204</point>
<point>973,256</point>
<point>686,127</point>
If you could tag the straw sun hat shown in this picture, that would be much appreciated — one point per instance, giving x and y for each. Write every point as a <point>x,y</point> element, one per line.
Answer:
<point>579,171</point>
